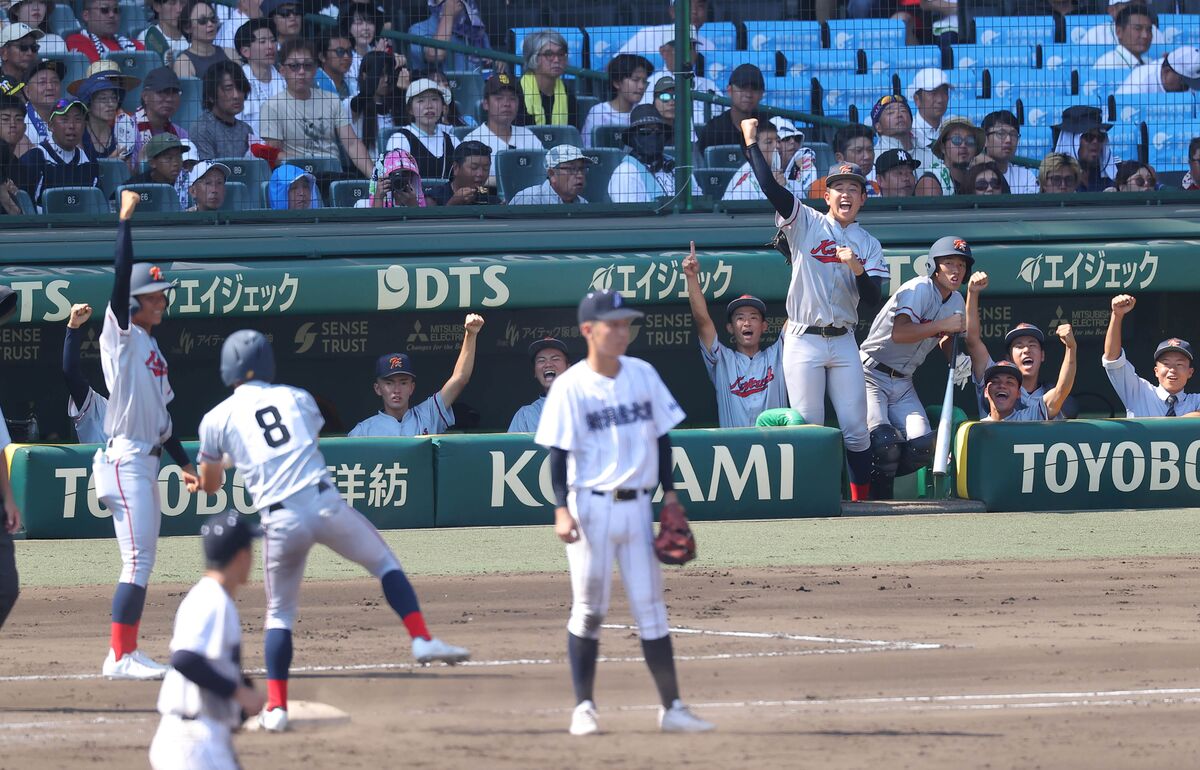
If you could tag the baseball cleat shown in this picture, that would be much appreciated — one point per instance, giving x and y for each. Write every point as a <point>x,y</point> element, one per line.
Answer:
<point>274,720</point>
<point>429,650</point>
<point>679,719</point>
<point>583,719</point>
<point>136,665</point>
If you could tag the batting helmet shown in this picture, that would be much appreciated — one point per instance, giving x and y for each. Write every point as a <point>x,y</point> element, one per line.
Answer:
<point>246,355</point>
<point>146,279</point>
<point>949,246</point>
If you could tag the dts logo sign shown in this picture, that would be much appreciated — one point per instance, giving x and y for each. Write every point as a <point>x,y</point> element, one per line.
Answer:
<point>428,288</point>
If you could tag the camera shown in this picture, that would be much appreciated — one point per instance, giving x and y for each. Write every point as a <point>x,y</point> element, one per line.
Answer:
<point>401,180</point>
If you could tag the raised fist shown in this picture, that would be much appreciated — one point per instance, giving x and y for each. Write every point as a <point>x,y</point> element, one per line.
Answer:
<point>1066,334</point>
<point>978,282</point>
<point>1122,304</point>
<point>79,315</point>
<point>473,323</point>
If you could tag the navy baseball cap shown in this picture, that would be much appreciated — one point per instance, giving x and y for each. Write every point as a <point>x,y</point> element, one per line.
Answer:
<point>1024,330</point>
<point>1001,367</point>
<point>605,305</point>
<point>1174,345</point>
<point>746,300</point>
<point>547,342</point>
<point>391,364</point>
<point>224,534</point>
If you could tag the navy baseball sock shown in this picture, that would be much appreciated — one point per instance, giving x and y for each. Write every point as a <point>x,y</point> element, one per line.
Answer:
<point>128,601</point>
<point>583,653</point>
<point>278,652</point>
<point>403,599</point>
<point>660,657</point>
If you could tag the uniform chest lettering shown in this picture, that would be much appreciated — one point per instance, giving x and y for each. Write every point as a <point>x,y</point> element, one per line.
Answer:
<point>156,364</point>
<point>744,387</point>
<point>825,251</point>
<point>625,414</point>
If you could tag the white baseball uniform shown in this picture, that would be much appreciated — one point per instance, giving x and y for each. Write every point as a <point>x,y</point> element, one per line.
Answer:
<point>270,432</point>
<point>891,398</point>
<point>137,422</point>
<point>745,386</point>
<point>428,417</point>
<point>195,732</point>
<point>1142,398</point>
<point>823,294</point>
<point>89,421</point>
<point>609,427</point>
<point>526,418</point>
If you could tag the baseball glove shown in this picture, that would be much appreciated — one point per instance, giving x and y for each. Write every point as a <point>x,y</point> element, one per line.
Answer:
<point>675,543</point>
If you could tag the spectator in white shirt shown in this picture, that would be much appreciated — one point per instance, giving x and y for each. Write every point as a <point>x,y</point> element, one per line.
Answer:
<point>930,91</point>
<point>700,83</point>
<point>1106,34</point>
<point>426,138</point>
<point>566,175</point>
<point>1134,26</point>
<point>246,10</point>
<point>1177,72</point>
<point>501,100</point>
<point>255,42</point>
<point>646,173</point>
<point>628,75</point>
<point>1001,135</point>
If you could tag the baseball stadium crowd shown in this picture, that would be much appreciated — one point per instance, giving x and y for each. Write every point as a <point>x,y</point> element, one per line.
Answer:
<point>279,104</point>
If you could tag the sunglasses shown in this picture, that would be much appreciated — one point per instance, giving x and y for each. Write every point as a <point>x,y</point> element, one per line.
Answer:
<point>299,66</point>
<point>1138,181</point>
<point>983,185</point>
<point>205,20</point>
<point>892,99</point>
<point>341,52</point>
<point>287,13</point>
<point>666,96</point>
<point>1062,180</point>
<point>958,140</point>
<point>27,47</point>
<point>1094,136</point>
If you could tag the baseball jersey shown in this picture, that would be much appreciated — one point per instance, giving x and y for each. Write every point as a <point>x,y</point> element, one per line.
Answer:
<point>1026,410</point>
<point>138,389</point>
<point>1139,396</point>
<point>270,432</point>
<point>5,438</point>
<point>745,386</point>
<point>526,418</point>
<point>206,624</point>
<point>823,292</point>
<point>1033,401</point>
<point>609,426</point>
<point>89,421</point>
<point>428,417</point>
<point>920,300</point>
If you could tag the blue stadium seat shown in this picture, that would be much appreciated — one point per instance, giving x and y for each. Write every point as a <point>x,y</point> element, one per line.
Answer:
<point>1156,109</point>
<point>347,192</point>
<point>573,35</point>
<point>840,91</point>
<point>605,162</point>
<point>1179,29</point>
<point>1014,30</point>
<point>1079,24</point>
<point>1098,84</point>
<point>1125,139</point>
<point>467,90</point>
<point>317,165</point>
<point>75,200</point>
<point>63,21</point>
<point>1020,82</point>
<point>191,103</point>
<point>238,198</point>
<point>1035,142</point>
<point>604,42</point>
<point>790,93</point>
<point>973,55</point>
<point>114,172</point>
<point>460,132</point>
<point>1042,109</point>
<point>978,109</point>
<point>782,35</point>
<point>155,197</point>
<point>713,181</point>
<point>134,18</point>
<point>866,34</point>
<point>252,172</point>
<point>812,62</point>
<point>721,34</point>
<point>1168,148</point>
<point>552,136</point>
<point>966,82</point>
<point>724,156</point>
<point>517,169</point>
<point>914,57</point>
<point>719,65</point>
<point>1072,55</point>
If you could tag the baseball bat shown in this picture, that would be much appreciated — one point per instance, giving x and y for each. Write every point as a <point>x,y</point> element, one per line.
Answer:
<point>941,452</point>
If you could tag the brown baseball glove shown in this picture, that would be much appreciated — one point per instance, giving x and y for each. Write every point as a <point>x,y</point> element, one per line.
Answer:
<point>675,543</point>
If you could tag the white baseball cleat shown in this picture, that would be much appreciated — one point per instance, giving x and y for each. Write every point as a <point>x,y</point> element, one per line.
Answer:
<point>274,720</point>
<point>583,719</point>
<point>136,665</point>
<point>429,650</point>
<point>680,719</point>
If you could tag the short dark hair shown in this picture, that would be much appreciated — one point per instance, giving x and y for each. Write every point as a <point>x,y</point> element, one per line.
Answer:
<point>1192,147</point>
<point>296,44</point>
<point>1127,168</point>
<point>245,34</point>
<point>1135,9</point>
<point>976,171</point>
<point>999,118</point>
<point>470,149</point>
<point>216,73</point>
<point>328,36</point>
<point>850,132</point>
<point>623,65</point>
<point>185,17</point>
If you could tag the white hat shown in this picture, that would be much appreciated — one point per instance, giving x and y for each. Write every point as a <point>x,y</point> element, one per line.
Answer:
<point>564,153</point>
<point>928,79</point>
<point>1185,60</point>
<point>16,31</point>
<point>202,168</point>
<point>422,85</point>
<point>786,128</point>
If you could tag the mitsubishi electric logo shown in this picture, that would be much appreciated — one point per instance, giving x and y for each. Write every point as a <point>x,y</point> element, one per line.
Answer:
<point>417,335</point>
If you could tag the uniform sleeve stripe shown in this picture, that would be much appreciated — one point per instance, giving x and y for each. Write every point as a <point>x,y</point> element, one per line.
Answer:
<point>207,456</point>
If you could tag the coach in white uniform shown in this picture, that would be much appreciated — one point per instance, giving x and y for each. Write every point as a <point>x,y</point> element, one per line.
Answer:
<point>916,318</point>
<point>835,264</point>
<point>550,360</point>
<point>86,408</point>
<point>1173,368</point>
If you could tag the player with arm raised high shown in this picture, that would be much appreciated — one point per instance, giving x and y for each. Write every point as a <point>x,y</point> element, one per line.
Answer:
<point>86,408</point>
<point>1173,367</point>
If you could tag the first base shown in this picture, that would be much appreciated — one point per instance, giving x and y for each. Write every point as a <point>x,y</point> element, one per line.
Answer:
<point>304,715</point>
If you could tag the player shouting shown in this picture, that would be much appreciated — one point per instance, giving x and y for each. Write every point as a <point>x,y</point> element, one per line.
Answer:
<point>270,434</point>
<point>139,429</point>
<point>835,263</point>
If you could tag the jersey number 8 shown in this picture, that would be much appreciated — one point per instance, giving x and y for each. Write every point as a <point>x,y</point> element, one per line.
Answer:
<point>275,433</point>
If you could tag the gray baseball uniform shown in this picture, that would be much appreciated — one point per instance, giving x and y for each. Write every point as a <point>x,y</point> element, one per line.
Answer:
<point>426,418</point>
<point>745,386</point>
<point>1031,403</point>
<point>526,418</point>
<point>1139,396</point>
<point>89,421</point>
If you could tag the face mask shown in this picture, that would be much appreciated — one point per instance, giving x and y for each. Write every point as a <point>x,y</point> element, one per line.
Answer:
<point>648,145</point>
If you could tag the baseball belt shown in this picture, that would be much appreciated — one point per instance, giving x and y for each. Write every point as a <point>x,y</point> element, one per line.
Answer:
<point>621,494</point>
<point>889,371</point>
<point>826,331</point>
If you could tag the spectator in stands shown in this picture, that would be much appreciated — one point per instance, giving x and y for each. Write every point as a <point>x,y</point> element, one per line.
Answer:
<point>161,96</point>
<point>200,24</point>
<point>746,90</point>
<point>958,142</point>
<point>1189,181</point>
<point>1134,176</point>
<point>855,143</point>
<point>1001,135</point>
<point>456,21</point>
<point>743,186</point>
<point>1084,137</point>
<point>376,107</point>
<point>892,120</point>
<point>36,14</point>
<point>43,88</point>
<point>1177,72</point>
<point>19,46</point>
<point>647,172</point>
<point>663,100</point>
<point>985,179</point>
<point>670,63</point>
<point>930,91</point>
<point>1135,24</point>
<point>60,160</point>
<point>395,183</point>
<point>255,42</point>
<point>799,162</point>
<point>566,175</point>
<point>8,185</point>
<point>12,125</point>
<point>218,133</point>
<point>468,178</point>
<point>1173,368</point>
<point>1106,33</point>
<point>363,23</point>
<point>293,188</point>
<point>245,11</point>
<point>941,21</point>
<point>1059,173</point>
<point>501,100</point>
<point>164,158</point>
<point>426,138</point>
<point>628,75</point>
<point>545,100</point>
<point>206,183</point>
<point>101,20</point>
<point>303,121</point>
<point>451,114</point>
<point>335,58</point>
<point>895,172</point>
<point>102,94</point>
<point>165,36</point>
<point>286,18</point>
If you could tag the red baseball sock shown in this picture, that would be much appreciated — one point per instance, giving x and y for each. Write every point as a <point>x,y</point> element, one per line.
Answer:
<point>277,694</point>
<point>415,623</point>
<point>860,492</point>
<point>123,639</point>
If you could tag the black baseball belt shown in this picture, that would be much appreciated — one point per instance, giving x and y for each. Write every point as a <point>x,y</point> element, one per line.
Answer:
<point>889,371</point>
<point>621,495</point>
<point>826,331</point>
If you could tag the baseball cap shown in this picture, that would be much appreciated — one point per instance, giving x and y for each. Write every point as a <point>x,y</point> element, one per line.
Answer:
<point>391,364</point>
<point>547,342</point>
<point>62,106</point>
<point>645,115</point>
<point>928,79</point>
<point>269,7</point>
<point>1023,330</point>
<point>54,65</point>
<point>501,81</point>
<point>786,128</point>
<point>952,246</point>
<point>564,153</point>
<point>1001,367</point>
<point>14,32</point>
<point>421,85</point>
<point>664,85</point>
<point>161,79</point>
<point>10,86</point>
<point>883,102</point>
<point>605,305</point>
<point>839,172</point>
<point>160,143</point>
<point>225,534</point>
<point>747,76</point>
<point>203,167</point>
<point>1173,345</point>
<point>746,300</point>
<point>1185,60</point>
<point>894,158</point>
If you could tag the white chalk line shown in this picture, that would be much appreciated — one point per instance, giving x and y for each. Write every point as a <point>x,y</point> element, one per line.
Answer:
<point>790,637</point>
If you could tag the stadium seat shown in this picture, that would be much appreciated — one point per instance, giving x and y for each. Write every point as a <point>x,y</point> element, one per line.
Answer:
<point>252,172</point>
<point>427,185</point>
<point>155,197</point>
<point>977,109</point>
<point>839,91</point>
<point>1035,142</point>
<point>74,200</point>
<point>719,65</point>
<point>63,21</point>
<point>237,197</point>
<point>1014,30</point>
<point>467,90</point>
<point>576,46</point>
<point>586,103</point>
<point>114,172</point>
<point>967,83</point>
<point>1156,109</point>
<point>724,156</point>
<point>460,132</point>
<point>608,136</point>
<point>346,192</point>
<point>190,103</point>
<point>604,42</point>
<point>137,64</point>
<point>1179,29</point>
<point>782,35</point>
<point>595,189</point>
<point>75,65</point>
<point>1125,139</point>
<point>722,35</point>
<point>517,169</point>
<point>552,136</point>
<point>1099,84</point>
<point>1168,149</point>
<point>914,57</point>
<point>972,55</point>
<point>25,203</point>
<point>1022,82</point>
<point>318,165</point>
<point>713,181</point>
<point>812,63</point>
<point>1073,55</point>
<point>822,155</point>
<point>867,34</point>
<point>1078,24</point>
<point>134,18</point>
<point>790,93</point>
